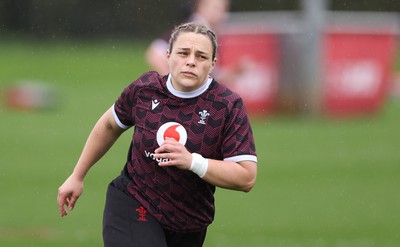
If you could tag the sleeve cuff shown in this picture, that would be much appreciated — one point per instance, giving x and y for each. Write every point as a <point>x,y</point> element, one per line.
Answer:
<point>120,124</point>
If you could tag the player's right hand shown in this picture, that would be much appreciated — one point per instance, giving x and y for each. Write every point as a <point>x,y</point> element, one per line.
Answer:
<point>68,194</point>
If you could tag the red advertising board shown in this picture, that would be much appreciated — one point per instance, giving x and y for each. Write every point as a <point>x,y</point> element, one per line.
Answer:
<point>356,72</point>
<point>249,63</point>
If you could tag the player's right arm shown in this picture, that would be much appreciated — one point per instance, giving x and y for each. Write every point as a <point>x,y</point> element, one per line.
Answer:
<point>103,136</point>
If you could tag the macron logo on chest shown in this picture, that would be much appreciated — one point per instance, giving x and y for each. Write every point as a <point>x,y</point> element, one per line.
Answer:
<point>154,103</point>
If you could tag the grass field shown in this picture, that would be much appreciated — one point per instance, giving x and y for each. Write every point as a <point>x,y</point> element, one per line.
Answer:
<point>320,182</point>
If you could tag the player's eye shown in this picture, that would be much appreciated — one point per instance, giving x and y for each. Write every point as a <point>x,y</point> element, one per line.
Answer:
<point>202,57</point>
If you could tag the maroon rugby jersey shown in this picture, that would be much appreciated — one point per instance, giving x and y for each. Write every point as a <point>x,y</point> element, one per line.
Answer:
<point>211,121</point>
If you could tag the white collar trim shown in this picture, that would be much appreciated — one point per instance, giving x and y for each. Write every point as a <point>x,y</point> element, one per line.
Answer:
<point>187,95</point>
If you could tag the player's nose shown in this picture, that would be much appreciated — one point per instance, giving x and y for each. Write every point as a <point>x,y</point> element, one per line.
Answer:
<point>191,60</point>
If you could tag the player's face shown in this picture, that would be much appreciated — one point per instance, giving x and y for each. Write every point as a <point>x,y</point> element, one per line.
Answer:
<point>190,61</point>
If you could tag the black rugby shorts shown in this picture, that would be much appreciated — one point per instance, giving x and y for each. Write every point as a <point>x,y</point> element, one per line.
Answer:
<point>126,223</point>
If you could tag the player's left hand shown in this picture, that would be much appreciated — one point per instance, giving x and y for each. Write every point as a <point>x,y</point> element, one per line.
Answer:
<point>173,153</point>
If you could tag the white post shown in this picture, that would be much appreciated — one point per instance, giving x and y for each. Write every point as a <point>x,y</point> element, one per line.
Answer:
<point>314,12</point>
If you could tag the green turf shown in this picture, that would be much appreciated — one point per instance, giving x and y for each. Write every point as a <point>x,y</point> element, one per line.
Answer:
<point>320,182</point>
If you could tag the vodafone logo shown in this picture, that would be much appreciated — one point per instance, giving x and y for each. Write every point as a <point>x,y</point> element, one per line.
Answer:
<point>171,130</point>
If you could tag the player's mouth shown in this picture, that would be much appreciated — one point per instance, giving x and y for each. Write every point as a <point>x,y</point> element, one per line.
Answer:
<point>189,74</point>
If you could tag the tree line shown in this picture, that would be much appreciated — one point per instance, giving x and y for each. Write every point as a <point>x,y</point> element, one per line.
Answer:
<point>132,18</point>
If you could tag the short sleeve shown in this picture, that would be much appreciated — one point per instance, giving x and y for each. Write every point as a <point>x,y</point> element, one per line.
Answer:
<point>238,144</point>
<point>122,110</point>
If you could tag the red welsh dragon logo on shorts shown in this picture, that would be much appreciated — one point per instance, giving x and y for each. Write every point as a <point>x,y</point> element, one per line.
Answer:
<point>142,213</point>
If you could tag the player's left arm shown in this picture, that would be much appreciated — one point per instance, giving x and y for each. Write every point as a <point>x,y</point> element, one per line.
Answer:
<point>225,174</point>
<point>231,175</point>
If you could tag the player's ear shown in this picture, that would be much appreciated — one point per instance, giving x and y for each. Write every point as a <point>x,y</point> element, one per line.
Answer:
<point>168,55</point>
<point>214,62</point>
<point>213,65</point>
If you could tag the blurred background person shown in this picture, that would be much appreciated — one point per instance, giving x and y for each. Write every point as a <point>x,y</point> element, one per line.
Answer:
<point>211,13</point>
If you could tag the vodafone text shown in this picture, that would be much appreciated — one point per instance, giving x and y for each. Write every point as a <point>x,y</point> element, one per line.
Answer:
<point>151,155</point>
